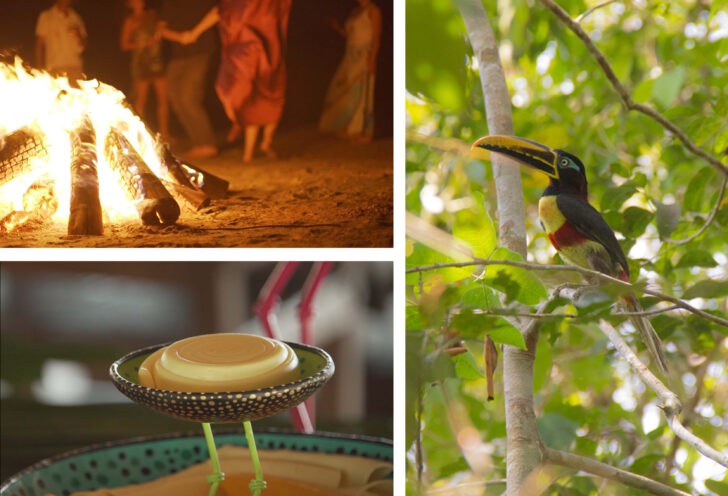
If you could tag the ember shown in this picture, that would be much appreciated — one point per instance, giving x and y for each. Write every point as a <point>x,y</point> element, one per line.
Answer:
<point>81,155</point>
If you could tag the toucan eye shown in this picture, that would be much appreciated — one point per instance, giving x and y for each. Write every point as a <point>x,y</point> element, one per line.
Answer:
<point>564,162</point>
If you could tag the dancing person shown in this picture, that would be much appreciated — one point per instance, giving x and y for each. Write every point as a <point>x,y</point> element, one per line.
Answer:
<point>251,81</point>
<point>349,105</point>
<point>139,36</point>
<point>187,71</point>
<point>60,41</point>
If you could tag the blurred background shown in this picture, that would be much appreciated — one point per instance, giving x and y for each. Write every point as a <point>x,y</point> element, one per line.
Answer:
<point>63,324</point>
<point>314,51</point>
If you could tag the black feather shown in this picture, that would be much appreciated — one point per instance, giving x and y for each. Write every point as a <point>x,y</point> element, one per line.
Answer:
<point>589,222</point>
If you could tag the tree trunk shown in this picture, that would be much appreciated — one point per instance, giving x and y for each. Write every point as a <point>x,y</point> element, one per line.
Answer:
<point>523,449</point>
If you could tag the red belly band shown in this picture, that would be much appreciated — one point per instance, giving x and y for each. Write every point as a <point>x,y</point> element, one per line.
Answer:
<point>566,235</point>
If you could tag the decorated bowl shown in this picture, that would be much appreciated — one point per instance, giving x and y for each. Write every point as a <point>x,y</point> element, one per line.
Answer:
<point>314,370</point>
<point>141,460</point>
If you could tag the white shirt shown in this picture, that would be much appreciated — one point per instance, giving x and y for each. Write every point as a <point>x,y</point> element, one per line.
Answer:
<point>62,47</point>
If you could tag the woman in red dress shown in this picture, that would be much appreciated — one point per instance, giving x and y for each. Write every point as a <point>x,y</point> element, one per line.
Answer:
<point>251,81</point>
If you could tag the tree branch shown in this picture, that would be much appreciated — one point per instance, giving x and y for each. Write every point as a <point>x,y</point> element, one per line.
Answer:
<point>592,9</point>
<point>689,410</point>
<point>713,213</point>
<point>671,405</point>
<point>624,94</point>
<point>595,467</point>
<point>523,453</point>
<point>539,315</point>
<point>534,266</point>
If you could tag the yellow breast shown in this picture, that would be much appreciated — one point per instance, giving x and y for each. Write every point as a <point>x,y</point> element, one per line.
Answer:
<point>550,215</point>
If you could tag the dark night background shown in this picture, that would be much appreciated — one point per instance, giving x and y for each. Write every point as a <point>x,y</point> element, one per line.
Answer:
<point>314,52</point>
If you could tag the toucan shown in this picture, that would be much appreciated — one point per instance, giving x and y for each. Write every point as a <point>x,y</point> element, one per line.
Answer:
<point>575,228</point>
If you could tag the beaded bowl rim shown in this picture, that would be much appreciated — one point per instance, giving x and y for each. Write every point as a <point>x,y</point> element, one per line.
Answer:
<point>326,372</point>
<point>387,443</point>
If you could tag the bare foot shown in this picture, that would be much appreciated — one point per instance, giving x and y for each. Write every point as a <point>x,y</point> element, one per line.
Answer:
<point>203,151</point>
<point>234,134</point>
<point>269,152</point>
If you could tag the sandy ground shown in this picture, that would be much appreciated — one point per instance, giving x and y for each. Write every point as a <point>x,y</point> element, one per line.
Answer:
<point>320,192</point>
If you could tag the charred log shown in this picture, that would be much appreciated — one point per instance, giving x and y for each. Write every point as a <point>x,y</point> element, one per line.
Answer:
<point>152,200</point>
<point>86,216</point>
<point>181,184</point>
<point>213,186</point>
<point>21,153</point>
<point>193,198</point>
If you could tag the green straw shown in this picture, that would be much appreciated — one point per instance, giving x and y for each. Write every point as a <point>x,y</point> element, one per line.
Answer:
<point>256,486</point>
<point>216,477</point>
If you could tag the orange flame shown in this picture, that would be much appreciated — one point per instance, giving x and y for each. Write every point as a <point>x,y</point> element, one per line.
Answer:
<point>50,107</point>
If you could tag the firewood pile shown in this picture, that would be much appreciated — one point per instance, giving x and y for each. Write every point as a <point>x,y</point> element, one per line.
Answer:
<point>99,136</point>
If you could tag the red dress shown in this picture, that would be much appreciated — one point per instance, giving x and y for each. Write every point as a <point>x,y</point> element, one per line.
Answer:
<point>251,81</point>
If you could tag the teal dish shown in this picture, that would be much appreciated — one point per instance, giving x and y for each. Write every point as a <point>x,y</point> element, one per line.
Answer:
<point>140,460</point>
<point>315,368</point>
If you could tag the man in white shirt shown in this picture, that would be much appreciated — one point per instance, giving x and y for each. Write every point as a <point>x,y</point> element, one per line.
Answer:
<point>60,40</point>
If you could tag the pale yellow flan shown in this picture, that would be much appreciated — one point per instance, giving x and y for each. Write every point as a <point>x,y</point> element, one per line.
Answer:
<point>219,363</point>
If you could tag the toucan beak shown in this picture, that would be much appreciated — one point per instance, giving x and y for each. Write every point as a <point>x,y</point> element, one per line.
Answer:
<point>524,151</point>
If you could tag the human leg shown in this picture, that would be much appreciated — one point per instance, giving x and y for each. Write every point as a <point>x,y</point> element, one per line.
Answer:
<point>186,90</point>
<point>160,88</point>
<point>141,92</point>
<point>251,135</point>
<point>267,141</point>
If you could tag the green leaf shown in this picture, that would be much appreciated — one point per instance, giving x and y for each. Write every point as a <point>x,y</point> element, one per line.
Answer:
<point>707,288</point>
<point>694,194</point>
<point>635,221</point>
<point>466,367</point>
<point>556,430</point>
<point>666,217</point>
<point>542,365</point>
<point>718,487</point>
<point>478,296</point>
<point>642,92</point>
<point>517,283</point>
<point>413,318</point>
<point>614,197</point>
<point>476,228</point>
<point>645,464</point>
<point>435,53</point>
<point>413,378</point>
<point>696,258</point>
<point>472,325</point>
<point>422,256</point>
<point>666,87</point>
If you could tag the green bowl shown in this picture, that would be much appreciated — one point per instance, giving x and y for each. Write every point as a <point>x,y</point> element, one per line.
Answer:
<point>315,369</point>
<point>140,460</point>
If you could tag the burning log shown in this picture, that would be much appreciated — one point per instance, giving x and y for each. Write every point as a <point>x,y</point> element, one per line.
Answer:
<point>41,199</point>
<point>86,216</point>
<point>20,154</point>
<point>39,205</point>
<point>153,202</point>
<point>184,173</point>
<point>180,183</point>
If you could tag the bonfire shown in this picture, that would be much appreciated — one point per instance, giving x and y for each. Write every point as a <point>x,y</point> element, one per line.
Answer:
<point>79,154</point>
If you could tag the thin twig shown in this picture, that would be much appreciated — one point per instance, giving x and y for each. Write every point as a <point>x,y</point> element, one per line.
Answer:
<point>595,467</point>
<point>458,487</point>
<point>622,91</point>
<point>540,315</point>
<point>598,6</point>
<point>689,410</point>
<point>713,213</point>
<point>671,405</point>
<point>534,266</point>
